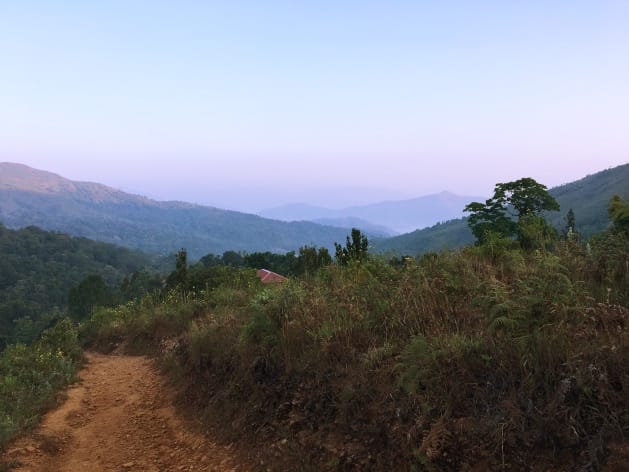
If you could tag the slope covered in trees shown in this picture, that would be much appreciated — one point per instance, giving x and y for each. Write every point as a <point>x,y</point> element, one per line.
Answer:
<point>39,269</point>
<point>32,197</point>
<point>587,197</point>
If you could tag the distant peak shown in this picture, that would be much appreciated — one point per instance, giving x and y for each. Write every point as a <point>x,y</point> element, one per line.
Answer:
<point>20,177</point>
<point>17,176</point>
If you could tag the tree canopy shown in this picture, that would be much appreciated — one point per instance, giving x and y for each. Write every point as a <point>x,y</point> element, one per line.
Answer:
<point>619,213</point>
<point>513,209</point>
<point>38,269</point>
<point>355,248</point>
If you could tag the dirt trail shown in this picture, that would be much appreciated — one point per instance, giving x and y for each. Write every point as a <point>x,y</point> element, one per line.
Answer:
<point>120,418</point>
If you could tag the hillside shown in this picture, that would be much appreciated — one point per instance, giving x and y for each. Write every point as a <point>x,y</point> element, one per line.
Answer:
<point>33,197</point>
<point>349,222</point>
<point>451,362</point>
<point>399,215</point>
<point>449,235</point>
<point>39,268</point>
<point>588,197</point>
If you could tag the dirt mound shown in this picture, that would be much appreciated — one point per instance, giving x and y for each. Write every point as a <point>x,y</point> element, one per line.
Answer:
<point>119,417</point>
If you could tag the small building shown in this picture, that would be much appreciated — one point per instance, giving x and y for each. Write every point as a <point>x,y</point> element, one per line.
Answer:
<point>268,277</point>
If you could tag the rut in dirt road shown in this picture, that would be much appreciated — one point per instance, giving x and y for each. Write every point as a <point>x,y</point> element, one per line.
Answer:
<point>118,417</point>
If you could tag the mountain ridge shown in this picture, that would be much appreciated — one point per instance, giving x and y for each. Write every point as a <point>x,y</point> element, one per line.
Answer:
<point>20,177</point>
<point>39,198</point>
<point>397,215</point>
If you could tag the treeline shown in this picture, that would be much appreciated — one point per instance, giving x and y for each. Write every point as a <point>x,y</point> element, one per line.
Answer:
<point>45,276</point>
<point>306,260</point>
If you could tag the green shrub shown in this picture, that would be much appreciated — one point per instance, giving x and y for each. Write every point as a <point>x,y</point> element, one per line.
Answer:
<point>517,346</point>
<point>31,375</point>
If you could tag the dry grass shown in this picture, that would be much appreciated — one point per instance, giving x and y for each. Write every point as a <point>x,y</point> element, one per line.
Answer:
<point>493,359</point>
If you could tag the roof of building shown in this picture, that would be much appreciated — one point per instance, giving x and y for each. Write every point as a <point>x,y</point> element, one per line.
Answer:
<point>267,277</point>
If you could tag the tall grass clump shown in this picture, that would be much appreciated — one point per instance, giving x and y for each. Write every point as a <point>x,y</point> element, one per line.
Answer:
<point>490,357</point>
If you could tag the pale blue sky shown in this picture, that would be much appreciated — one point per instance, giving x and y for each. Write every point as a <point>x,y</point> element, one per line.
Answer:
<point>329,102</point>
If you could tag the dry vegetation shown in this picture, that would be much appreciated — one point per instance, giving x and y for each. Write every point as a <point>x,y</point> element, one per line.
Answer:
<point>488,358</point>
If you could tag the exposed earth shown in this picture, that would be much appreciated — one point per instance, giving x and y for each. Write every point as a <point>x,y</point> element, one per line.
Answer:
<point>118,417</point>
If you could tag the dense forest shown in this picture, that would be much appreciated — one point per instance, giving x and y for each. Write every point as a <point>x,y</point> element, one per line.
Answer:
<point>39,269</point>
<point>33,197</point>
<point>510,353</point>
<point>45,276</point>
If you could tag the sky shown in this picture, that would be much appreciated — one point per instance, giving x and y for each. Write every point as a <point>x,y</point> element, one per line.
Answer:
<point>247,104</point>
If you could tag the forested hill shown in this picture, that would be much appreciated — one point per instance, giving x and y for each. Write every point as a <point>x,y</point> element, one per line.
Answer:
<point>39,268</point>
<point>33,197</point>
<point>588,197</point>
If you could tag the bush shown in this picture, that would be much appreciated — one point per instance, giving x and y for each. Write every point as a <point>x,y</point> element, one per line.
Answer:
<point>461,358</point>
<point>30,376</point>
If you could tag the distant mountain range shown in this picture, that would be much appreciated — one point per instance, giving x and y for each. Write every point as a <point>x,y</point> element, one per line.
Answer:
<point>588,197</point>
<point>49,201</point>
<point>385,218</point>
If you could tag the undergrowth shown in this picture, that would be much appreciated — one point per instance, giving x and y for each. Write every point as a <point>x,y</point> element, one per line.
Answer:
<point>468,360</point>
<point>31,376</point>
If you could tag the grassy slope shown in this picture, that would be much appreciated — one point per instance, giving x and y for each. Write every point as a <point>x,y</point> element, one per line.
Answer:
<point>470,360</point>
<point>588,197</point>
<point>448,235</point>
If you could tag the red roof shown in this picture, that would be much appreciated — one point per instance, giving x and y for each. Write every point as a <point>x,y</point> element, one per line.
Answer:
<point>268,277</point>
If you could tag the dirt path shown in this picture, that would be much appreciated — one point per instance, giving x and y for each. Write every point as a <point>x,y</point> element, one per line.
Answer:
<point>120,418</point>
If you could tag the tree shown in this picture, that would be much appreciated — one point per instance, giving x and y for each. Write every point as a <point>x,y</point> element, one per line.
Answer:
<point>179,277</point>
<point>354,250</point>
<point>211,260</point>
<point>514,210</point>
<point>233,259</point>
<point>281,263</point>
<point>489,220</point>
<point>619,214</point>
<point>90,293</point>
<point>534,232</point>
<point>311,260</point>
<point>526,196</point>
<point>140,283</point>
<point>569,232</point>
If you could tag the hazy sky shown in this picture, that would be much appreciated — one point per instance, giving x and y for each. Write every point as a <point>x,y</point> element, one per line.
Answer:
<point>247,104</point>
